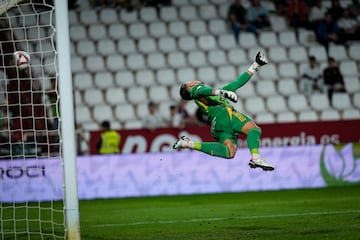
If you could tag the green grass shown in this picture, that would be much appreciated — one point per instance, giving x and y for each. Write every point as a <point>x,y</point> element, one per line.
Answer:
<point>328,213</point>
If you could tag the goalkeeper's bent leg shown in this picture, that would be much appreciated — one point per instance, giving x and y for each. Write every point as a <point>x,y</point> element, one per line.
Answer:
<point>253,141</point>
<point>213,148</point>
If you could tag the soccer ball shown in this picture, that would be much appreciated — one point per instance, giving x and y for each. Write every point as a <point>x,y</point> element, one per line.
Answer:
<point>22,59</point>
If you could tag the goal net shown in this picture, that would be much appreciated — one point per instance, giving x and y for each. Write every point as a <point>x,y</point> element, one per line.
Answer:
<point>32,192</point>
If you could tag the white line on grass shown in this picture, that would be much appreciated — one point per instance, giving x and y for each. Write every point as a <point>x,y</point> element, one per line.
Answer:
<point>223,219</point>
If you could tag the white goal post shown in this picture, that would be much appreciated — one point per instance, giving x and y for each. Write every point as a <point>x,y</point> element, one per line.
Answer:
<point>38,179</point>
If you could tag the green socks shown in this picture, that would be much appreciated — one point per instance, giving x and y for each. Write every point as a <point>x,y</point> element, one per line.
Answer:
<point>212,148</point>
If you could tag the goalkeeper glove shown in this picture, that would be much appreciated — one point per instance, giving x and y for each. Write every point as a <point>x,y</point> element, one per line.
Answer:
<point>226,94</point>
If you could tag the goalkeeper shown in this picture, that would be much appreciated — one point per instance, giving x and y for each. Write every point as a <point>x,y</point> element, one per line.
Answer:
<point>226,122</point>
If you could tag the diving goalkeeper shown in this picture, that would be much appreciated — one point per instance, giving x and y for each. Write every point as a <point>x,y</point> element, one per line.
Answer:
<point>226,122</point>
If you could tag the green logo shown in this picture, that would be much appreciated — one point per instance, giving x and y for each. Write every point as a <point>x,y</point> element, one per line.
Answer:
<point>340,164</point>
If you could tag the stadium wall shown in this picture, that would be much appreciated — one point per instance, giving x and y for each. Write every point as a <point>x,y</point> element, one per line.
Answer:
<point>182,172</point>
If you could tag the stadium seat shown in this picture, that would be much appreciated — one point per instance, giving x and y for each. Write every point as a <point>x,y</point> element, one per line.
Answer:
<point>73,18</point>
<point>207,12</point>
<point>137,30</point>
<point>126,46</point>
<point>352,84</point>
<point>89,17</point>
<point>329,115</point>
<point>306,37</point>
<point>125,113</point>
<point>276,104</point>
<point>82,81</point>
<point>268,72</point>
<point>106,47</point>
<point>158,93</point>
<point>222,10</point>
<point>248,40</point>
<point>338,52</point>
<point>176,59</point>
<point>288,70</point>
<point>134,124</point>
<point>298,103</point>
<point>356,99</point>
<point>217,57</point>
<point>196,59</point>
<point>277,54</point>
<point>77,64</point>
<point>264,117</point>
<point>248,90</point>
<point>207,42</point>
<point>115,96</point>
<point>128,17</point>
<point>168,13</point>
<point>82,114</point>
<point>103,80</point>
<point>197,27</point>
<point>288,39</point>
<point>147,45</point>
<point>141,110</point>
<point>124,79</point>
<point>177,28</point>
<point>319,102</point>
<point>227,41</point>
<point>117,31</point>
<point>186,74</point>
<point>308,116</point>
<point>287,116</point>
<point>319,51</point>
<point>200,3</point>
<point>348,68</point>
<point>167,44</point>
<point>156,60</point>
<point>207,75</point>
<point>135,61</point>
<point>93,97</point>
<point>217,27</point>
<point>267,39</point>
<point>266,88</point>
<point>341,101</point>
<point>226,74</point>
<point>187,43</point>
<point>166,77</point>
<point>278,23</point>
<point>237,56</point>
<point>95,64</point>
<point>108,16</point>
<point>350,113</point>
<point>354,52</point>
<point>102,112</point>
<point>78,100</point>
<point>97,32</point>
<point>188,12</point>
<point>86,48</point>
<point>287,86</point>
<point>136,95</point>
<point>114,63</point>
<point>145,78</point>
<point>148,14</point>
<point>157,29</point>
<point>298,54</point>
<point>174,93</point>
<point>78,32</point>
<point>255,105</point>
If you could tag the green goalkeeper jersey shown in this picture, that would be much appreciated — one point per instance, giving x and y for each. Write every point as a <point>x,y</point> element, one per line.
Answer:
<point>226,122</point>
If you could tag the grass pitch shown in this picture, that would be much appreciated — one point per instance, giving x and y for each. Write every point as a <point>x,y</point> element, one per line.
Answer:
<point>327,213</point>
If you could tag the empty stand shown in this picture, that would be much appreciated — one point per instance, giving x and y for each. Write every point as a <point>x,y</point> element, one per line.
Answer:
<point>106,47</point>
<point>82,81</point>
<point>255,105</point>
<point>276,104</point>
<point>135,61</point>
<point>82,114</point>
<point>186,74</point>
<point>167,44</point>
<point>102,112</point>
<point>298,54</point>
<point>157,29</point>
<point>187,43</point>
<point>298,103</point>
<point>237,56</point>
<point>288,70</point>
<point>207,42</point>
<point>115,96</point>
<point>147,45</point>
<point>97,31</point>
<point>108,16</point>
<point>158,93</point>
<point>286,117</point>
<point>177,28</point>
<point>288,39</point>
<point>197,27</point>
<point>176,59</point>
<point>188,12</point>
<point>277,54</point>
<point>217,57</point>
<point>136,95</point>
<point>266,88</point>
<point>117,31</point>
<point>103,80</point>
<point>196,59</point>
<point>227,41</point>
<point>148,14</point>
<point>287,86</point>
<point>126,46</point>
<point>341,101</point>
<point>217,26</point>
<point>95,64</point>
<point>226,74</point>
<point>125,113</point>
<point>93,97</point>
<point>137,30</point>
<point>308,116</point>
<point>124,79</point>
<point>319,102</point>
<point>329,115</point>
<point>268,39</point>
<point>145,78</point>
<point>168,13</point>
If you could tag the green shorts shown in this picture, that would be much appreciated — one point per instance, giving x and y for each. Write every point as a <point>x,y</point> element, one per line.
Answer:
<point>227,123</point>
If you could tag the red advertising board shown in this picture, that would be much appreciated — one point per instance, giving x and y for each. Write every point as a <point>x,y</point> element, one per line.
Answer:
<point>279,134</point>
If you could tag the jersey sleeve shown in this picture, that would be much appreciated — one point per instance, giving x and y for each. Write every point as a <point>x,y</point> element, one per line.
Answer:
<point>200,90</point>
